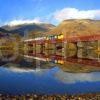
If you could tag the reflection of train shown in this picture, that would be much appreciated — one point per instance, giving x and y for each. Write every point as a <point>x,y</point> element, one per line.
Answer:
<point>62,60</point>
<point>66,64</point>
<point>52,59</point>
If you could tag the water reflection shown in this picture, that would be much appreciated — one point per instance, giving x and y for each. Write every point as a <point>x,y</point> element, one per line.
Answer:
<point>38,73</point>
<point>50,81</point>
<point>71,78</point>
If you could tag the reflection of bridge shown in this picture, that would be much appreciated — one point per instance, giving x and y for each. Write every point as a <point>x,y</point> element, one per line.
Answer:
<point>61,60</point>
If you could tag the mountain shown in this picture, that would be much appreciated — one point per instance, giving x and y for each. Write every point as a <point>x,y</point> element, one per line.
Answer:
<point>3,31</point>
<point>77,27</point>
<point>21,29</point>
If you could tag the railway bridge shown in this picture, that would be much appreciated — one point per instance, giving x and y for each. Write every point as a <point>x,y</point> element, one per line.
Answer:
<point>72,46</point>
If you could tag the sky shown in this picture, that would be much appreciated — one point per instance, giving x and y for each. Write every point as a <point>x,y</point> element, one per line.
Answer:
<point>14,12</point>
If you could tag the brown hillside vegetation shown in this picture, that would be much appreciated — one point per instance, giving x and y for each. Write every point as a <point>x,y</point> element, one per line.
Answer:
<point>77,27</point>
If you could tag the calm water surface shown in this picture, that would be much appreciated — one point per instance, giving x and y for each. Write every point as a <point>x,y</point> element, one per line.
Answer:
<point>29,74</point>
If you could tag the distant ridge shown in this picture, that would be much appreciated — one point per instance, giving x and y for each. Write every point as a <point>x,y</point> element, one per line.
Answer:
<point>3,30</point>
<point>21,29</point>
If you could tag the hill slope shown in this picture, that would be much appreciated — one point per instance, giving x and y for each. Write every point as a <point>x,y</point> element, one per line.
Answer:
<point>21,29</point>
<point>3,30</point>
<point>77,27</point>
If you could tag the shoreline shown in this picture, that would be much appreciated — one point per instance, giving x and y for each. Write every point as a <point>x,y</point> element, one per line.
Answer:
<point>88,96</point>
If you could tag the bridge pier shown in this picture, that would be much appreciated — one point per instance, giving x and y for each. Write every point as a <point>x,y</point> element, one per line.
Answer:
<point>98,44</point>
<point>98,50</point>
<point>30,48</point>
<point>82,49</point>
<point>88,49</point>
<point>39,48</point>
<point>71,49</point>
<point>50,48</point>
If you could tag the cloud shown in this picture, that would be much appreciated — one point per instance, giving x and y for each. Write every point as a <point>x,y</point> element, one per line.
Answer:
<point>21,21</point>
<point>15,69</point>
<point>73,13</point>
<point>71,78</point>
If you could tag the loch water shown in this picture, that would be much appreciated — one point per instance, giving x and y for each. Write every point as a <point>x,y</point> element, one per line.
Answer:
<point>29,74</point>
